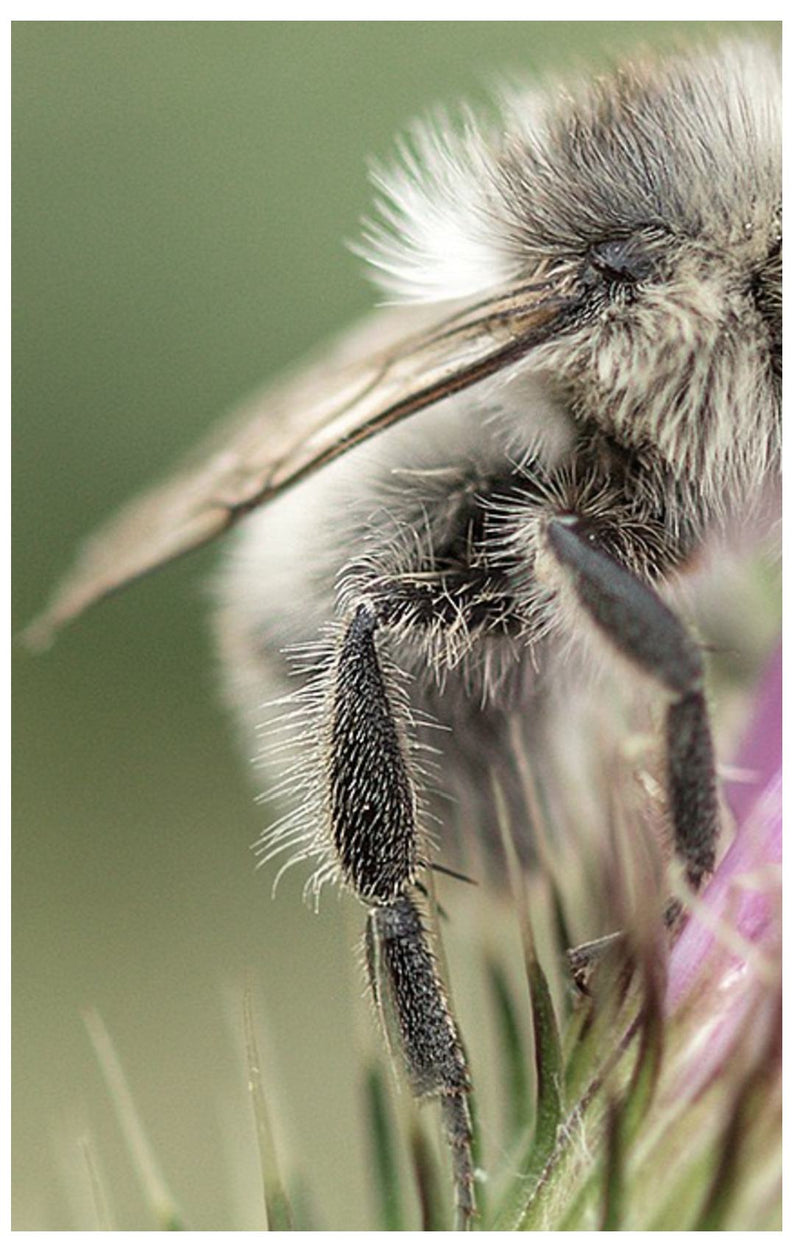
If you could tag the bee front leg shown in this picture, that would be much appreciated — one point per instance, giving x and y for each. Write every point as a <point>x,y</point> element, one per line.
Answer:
<point>641,627</point>
<point>373,819</point>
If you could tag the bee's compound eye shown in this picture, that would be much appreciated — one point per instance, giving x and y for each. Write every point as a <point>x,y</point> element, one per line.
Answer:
<point>625,262</point>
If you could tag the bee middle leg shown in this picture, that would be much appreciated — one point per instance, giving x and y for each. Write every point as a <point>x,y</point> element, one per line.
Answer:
<point>644,630</point>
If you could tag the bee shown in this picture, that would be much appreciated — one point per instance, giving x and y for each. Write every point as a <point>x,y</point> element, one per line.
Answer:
<point>493,483</point>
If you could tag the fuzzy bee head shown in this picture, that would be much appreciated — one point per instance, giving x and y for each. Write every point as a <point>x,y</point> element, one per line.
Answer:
<point>650,199</point>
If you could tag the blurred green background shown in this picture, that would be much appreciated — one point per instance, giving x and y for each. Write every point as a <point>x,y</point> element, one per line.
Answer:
<point>181,193</point>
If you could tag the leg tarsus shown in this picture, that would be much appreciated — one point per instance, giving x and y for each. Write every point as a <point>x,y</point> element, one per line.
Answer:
<point>416,1017</point>
<point>458,1132</point>
<point>691,784</point>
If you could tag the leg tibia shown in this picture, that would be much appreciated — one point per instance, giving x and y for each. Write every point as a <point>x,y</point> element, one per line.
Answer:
<point>630,614</point>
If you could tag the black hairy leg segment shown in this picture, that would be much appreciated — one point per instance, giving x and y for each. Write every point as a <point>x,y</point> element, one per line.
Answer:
<point>644,630</point>
<point>413,1008</point>
<point>373,820</point>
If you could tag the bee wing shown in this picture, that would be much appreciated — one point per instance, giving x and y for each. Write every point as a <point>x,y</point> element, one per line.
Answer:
<point>382,373</point>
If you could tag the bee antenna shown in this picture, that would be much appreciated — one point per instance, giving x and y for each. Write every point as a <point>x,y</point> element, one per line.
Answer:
<point>452,873</point>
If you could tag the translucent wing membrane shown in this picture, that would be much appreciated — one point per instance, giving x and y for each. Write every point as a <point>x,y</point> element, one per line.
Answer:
<point>359,389</point>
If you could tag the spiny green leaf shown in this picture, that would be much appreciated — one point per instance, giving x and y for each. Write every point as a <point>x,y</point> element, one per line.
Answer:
<point>725,1182</point>
<point>434,1209</point>
<point>153,1182</point>
<point>278,1211</point>
<point>384,1154</point>
<point>580,1048</point>
<point>549,1067</point>
<point>641,1088</point>
<point>102,1208</point>
<point>513,1051</point>
<point>545,1191</point>
<point>614,1170</point>
<point>582,1204</point>
<point>685,1196</point>
<point>547,1046</point>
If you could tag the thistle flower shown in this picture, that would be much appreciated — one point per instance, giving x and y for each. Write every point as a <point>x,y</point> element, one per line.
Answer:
<point>657,1097</point>
<point>687,1134</point>
<point>734,931</point>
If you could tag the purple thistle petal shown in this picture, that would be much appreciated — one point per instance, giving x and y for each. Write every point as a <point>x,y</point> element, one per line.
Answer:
<point>760,749</point>
<point>742,895</point>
